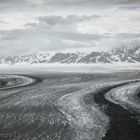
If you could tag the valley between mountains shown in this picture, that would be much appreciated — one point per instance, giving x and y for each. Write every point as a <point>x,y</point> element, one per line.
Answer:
<point>70,106</point>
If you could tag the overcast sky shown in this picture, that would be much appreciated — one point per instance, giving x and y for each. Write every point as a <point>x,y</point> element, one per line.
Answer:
<point>28,26</point>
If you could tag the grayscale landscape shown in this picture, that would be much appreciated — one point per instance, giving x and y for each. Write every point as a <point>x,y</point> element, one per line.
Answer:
<point>69,69</point>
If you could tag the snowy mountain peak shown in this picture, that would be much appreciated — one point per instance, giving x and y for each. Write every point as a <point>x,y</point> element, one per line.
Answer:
<point>129,55</point>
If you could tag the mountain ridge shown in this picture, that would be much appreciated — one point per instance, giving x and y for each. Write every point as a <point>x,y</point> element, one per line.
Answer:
<point>124,54</point>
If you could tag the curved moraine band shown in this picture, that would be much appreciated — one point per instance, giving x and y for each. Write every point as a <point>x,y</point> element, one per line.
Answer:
<point>15,81</point>
<point>126,96</point>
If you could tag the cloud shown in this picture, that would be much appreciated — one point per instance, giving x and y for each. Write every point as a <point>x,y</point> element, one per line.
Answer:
<point>9,6</point>
<point>87,2</point>
<point>52,33</point>
<point>1,21</point>
<point>52,20</point>
<point>66,2</point>
<point>128,35</point>
<point>129,7</point>
<point>31,5</point>
<point>14,3</point>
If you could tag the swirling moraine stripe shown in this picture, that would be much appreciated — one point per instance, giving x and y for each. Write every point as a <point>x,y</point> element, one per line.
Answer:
<point>15,81</point>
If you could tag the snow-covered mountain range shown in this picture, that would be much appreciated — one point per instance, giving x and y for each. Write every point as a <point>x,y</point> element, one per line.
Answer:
<point>124,54</point>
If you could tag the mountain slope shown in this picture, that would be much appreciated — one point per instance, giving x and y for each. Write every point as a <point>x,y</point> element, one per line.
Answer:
<point>129,55</point>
